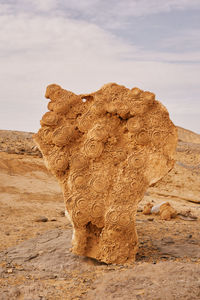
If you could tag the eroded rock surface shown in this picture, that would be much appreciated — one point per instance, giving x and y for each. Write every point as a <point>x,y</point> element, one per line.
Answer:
<point>106,148</point>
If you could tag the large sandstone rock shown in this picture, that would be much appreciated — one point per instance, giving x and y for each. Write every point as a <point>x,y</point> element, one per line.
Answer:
<point>106,148</point>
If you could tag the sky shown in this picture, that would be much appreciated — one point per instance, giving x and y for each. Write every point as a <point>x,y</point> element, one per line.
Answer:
<point>81,45</point>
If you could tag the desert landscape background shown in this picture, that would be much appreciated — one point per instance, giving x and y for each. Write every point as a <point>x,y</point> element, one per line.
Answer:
<point>35,258</point>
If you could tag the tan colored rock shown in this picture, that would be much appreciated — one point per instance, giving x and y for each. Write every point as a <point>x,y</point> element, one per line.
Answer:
<point>106,148</point>
<point>167,212</point>
<point>147,209</point>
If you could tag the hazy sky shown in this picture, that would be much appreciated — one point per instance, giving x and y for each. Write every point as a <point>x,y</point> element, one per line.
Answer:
<point>81,45</point>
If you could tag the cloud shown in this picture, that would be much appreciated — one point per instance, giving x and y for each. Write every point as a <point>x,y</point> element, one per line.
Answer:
<point>98,8</point>
<point>183,42</point>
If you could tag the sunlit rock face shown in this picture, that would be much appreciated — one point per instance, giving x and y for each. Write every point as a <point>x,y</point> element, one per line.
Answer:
<point>105,149</point>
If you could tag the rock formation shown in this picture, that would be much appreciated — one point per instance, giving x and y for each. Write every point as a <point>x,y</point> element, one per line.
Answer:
<point>167,212</point>
<point>106,148</point>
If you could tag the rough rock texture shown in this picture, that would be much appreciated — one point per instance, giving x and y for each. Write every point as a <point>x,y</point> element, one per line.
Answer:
<point>167,212</point>
<point>105,149</point>
<point>18,142</point>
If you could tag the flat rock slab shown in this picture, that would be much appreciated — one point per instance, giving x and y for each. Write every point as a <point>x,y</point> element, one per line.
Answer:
<point>165,280</point>
<point>49,268</point>
<point>179,249</point>
<point>48,254</point>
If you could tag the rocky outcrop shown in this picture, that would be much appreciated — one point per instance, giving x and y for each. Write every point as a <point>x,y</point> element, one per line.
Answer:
<point>18,142</point>
<point>105,149</point>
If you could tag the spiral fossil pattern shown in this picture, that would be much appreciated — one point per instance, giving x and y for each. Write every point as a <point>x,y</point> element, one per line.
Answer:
<point>157,137</point>
<point>99,133</point>
<point>49,119</point>
<point>80,218</point>
<point>78,161</point>
<point>59,161</point>
<point>99,183</point>
<point>136,160</point>
<point>133,124</point>
<point>61,107</point>
<point>78,180</point>
<point>142,137</point>
<point>97,209</point>
<point>105,151</point>
<point>92,148</point>
<point>86,121</point>
<point>62,135</point>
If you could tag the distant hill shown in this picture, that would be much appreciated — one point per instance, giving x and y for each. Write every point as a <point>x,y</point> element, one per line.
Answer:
<point>188,136</point>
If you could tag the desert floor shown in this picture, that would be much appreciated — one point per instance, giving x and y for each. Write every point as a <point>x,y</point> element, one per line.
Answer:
<point>35,258</point>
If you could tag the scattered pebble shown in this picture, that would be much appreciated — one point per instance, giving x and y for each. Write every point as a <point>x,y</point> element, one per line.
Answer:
<point>62,213</point>
<point>53,220</point>
<point>10,271</point>
<point>150,219</point>
<point>41,219</point>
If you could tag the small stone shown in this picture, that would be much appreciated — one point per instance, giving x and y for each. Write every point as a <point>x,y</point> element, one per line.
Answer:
<point>10,271</point>
<point>52,276</point>
<point>150,219</point>
<point>53,220</point>
<point>41,219</point>
<point>62,213</point>
<point>189,236</point>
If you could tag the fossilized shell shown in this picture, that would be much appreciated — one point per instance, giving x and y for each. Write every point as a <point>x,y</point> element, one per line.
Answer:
<point>80,203</point>
<point>137,160</point>
<point>157,137</point>
<point>97,208</point>
<point>51,89</point>
<point>112,216</point>
<point>133,124</point>
<point>125,219</point>
<point>99,183</point>
<point>78,180</point>
<point>86,122</point>
<point>78,161</point>
<point>80,218</point>
<point>49,119</point>
<point>59,161</point>
<point>98,132</point>
<point>62,135</point>
<point>50,105</point>
<point>137,107</point>
<point>150,97</point>
<point>61,107</point>
<point>135,92</point>
<point>46,134</point>
<point>98,107</point>
<point>142,137</point>
<point>93,148</point>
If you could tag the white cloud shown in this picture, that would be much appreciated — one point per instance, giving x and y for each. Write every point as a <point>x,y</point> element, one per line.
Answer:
<point>99,8</point>
<point>37,50</point>
<point>184,40</point>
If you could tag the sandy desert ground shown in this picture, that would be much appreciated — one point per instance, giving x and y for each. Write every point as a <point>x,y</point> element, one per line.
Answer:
<point>35,258</point>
